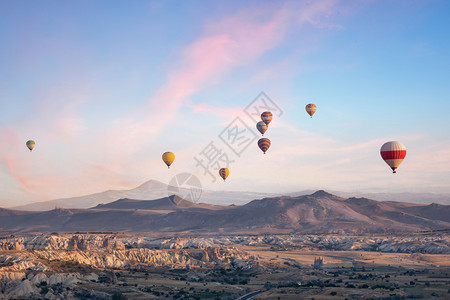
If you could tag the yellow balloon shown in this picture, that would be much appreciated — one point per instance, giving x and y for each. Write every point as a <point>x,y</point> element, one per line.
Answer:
<point>224,172</point>
<point>168,158</point>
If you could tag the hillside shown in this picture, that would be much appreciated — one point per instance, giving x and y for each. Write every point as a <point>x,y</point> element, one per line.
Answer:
<point>151,189</point>
<point>167,203</point>
<point>319,212</point>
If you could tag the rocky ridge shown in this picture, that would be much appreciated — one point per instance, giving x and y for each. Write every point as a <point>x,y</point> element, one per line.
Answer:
<point>434,243</point>
<point>320,212</point>
<point>28,263</point>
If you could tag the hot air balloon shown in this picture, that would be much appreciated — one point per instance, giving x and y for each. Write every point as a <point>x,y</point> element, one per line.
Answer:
<point>262,127</point>
<point>266,117</point>
<point>393,154</point>
<point>168,158</point>
<point>30,145</point>
<point>264,144</point>
<point>224,173</point>
<point>311,109</point>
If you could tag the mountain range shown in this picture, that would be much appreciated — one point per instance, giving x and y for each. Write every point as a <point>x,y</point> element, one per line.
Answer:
<point>320,212</point>
<point>154,189</point>
<point>149,190</point>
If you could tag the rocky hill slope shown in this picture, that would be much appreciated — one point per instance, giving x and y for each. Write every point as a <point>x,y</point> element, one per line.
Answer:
<point>151,189</point>
<point>319,212</point>
<point>66,266</point>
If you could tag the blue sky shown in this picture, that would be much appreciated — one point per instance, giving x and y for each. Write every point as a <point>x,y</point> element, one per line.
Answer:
<point>106,87</point>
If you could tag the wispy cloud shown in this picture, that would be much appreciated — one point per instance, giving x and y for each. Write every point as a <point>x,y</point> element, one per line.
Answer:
<point>228,43</point>
<point>223,112</point>
<point>103,157</point>
<point>225,44</point>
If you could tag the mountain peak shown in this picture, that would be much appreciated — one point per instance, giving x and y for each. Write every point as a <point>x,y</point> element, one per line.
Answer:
<point>151,184</point>
<point>321,194</point>
<point>166,203</point>
<point>180,202</point>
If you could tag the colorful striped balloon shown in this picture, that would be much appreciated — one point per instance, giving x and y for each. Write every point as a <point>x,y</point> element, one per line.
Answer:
<point>264,144</point>
<point>266,117</point>
<point>393,154</point>
<point>224,172</point>
<point>262,127</point>
<point>311,109</point>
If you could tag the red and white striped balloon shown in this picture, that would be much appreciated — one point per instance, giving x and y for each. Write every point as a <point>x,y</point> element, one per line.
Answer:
<point>393,154</point>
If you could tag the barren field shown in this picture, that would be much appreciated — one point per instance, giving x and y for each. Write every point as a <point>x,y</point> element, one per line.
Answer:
<point>113,266</point>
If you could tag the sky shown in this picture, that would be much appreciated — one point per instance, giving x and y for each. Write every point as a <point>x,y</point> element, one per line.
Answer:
<point>106,87</point>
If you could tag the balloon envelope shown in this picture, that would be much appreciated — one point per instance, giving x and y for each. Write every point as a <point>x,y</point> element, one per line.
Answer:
<point>264,144</point>
<point>393,154</point>
<point>262,127</point>
<point>266,117</point>
<point>168,158</point>
<point>311,109</point>
<point>30,145</point>
<point>224,172</point>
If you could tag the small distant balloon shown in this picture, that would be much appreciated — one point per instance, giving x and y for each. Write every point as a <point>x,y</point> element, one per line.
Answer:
<point>264,144</point>
<point>393,154</point>
<point>311,109</point>
<point>262,127</point>
<point>224,172</point>
<point>168,158</point>
<point>266,117</point>
<point>30,145</point>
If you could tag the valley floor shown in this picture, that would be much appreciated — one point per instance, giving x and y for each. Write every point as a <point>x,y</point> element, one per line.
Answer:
<point>120,266</point>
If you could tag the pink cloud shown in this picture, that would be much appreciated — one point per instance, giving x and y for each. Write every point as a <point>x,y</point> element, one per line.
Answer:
<point>228,43</point>
<point>8,137</point>
<point>225,44</point>
<point>52,125</point>
<point>26,182</point>
<point>225,113</point>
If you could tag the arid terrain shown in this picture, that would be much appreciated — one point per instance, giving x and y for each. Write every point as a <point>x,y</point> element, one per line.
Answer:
<point>317,246</point>
<point>111,265</point>
<point>320,212</point>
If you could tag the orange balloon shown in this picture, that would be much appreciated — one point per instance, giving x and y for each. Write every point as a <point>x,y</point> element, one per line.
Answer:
<point>224,172</point>
<point>311,109</point>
